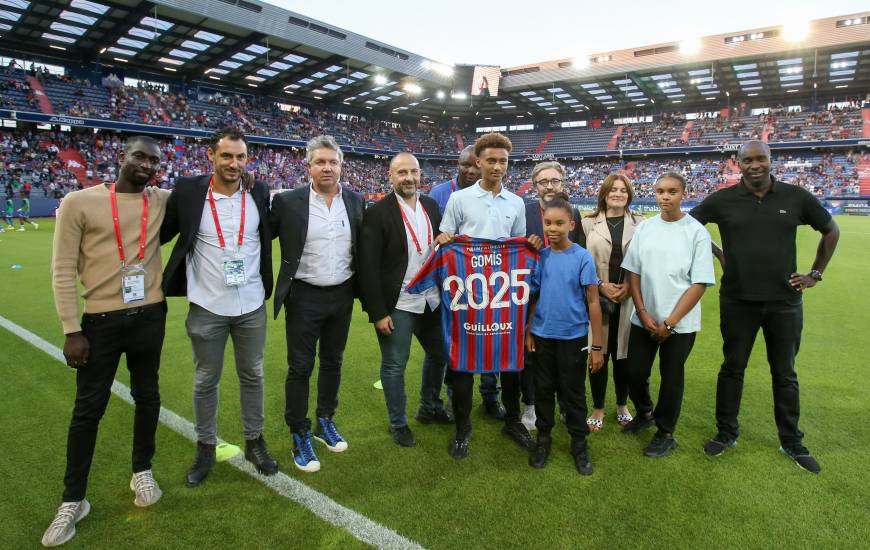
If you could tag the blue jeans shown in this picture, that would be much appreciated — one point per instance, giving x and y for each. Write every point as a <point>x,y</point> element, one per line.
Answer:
<point>395,350</point>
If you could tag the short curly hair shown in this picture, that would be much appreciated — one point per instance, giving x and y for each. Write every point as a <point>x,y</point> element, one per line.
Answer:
<point>493,140</point>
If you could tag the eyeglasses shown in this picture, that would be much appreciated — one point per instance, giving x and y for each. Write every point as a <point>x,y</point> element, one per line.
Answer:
<point>549,183</point>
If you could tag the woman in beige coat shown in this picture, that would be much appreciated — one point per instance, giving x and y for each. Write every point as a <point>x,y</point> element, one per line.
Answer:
<point>612,221</point>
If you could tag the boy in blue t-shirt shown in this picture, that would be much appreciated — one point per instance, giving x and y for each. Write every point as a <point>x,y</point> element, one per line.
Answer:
<point>565,282</point>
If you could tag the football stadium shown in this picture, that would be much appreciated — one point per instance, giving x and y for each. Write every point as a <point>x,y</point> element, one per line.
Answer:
<point>410,263</point>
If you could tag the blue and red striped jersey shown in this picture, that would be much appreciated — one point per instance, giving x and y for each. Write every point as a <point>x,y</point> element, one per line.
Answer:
<point>484,293</point>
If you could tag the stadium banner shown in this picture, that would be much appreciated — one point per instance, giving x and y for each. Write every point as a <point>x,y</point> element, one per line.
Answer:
<point>849,206</point>
<point>42,118</point>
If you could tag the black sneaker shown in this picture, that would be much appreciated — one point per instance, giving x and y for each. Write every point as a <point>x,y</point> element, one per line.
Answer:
<point>202,463</point>
<point>494,409</point>
<point>458,448</point>
<point>581,459</point>
<point>719,444</point>
<point>402,435</point>
<point>520,435</point>
<point>661,445</point>
<point>638,424</point>
<point>437,417</point>
<point>258,454</point>
<point>539,455</point>
<point>802,458</point>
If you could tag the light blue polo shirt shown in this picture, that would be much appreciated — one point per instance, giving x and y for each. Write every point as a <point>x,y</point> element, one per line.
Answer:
<point>670,257</point>
<point>475,212</point>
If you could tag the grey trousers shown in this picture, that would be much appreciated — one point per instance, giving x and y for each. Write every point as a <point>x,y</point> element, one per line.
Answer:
<point>208,335</point>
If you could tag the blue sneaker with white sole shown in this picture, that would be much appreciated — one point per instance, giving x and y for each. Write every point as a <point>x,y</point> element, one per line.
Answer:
<point>328,434</point>
<point>303,452</point>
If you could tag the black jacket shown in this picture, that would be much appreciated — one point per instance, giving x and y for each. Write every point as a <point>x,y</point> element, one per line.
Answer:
<point>288,219</point>
<point>183,215</point>
<point>384,253</point>
<point>535,224</point>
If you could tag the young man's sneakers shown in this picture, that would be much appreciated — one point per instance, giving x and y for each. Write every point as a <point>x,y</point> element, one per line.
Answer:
<point>402,435</point>
<point>21,228</point>
<point>520,435</point>
<point>63,527</point>
<point>258,454</point>
<point>458,448</point>
<point>303,453</point>
<point>580,452</point>
<point>146,489</point>
<point>529,418</point>
<point>638,424</point>
<point>802,458</point>
<point>719,444</point>
<point>437,417</point>
<point>661,445</point>
<point>328,434</point>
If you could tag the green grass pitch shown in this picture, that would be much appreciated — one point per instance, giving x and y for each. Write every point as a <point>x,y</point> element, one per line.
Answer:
<point>751,497</point>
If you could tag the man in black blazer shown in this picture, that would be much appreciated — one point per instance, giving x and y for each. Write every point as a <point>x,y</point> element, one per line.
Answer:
<point>318,226</point>
<point>222,262</point>
<point>397,237</point>
<point>548,177</point>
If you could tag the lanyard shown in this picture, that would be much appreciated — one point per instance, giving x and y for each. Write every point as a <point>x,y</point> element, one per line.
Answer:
<point>453,185</point>
<point>143,231</point>
<point>411,229</point>
<point>217,222</point>
<point>544,231</point>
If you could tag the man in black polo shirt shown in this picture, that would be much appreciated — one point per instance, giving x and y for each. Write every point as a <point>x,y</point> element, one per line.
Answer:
<point>761,289</point>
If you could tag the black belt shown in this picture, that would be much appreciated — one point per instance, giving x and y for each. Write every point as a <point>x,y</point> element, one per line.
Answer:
<point>127,312</point>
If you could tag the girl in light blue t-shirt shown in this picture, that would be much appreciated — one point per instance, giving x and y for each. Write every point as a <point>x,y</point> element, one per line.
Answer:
<point>670,265</point>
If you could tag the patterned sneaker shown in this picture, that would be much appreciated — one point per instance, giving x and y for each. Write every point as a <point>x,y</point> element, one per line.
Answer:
<point>529,418</point>
<point>146,489</point>
<point>802,458</point>
<point>328,434</point>
<point>303,453</point>
<point>63,527</point>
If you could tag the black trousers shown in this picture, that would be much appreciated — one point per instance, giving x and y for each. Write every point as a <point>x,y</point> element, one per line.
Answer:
<point>781,323</point>
<point>527,378</point>
<point>672,353</point>
<point>561,371</point>
<point>137,333</point>
<point>315,314</point>
<point>598,380</point>
<point>463,390</point>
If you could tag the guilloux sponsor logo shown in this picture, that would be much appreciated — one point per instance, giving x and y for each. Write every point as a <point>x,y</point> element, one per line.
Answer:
<point>65,120</point>
<point>488,328</point>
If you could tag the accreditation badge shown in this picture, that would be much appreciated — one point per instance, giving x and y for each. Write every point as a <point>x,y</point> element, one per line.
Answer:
<point>234,272</point>
<point>133,283</point>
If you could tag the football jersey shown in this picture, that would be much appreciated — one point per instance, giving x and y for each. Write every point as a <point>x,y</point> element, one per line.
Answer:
<point>484,293</point>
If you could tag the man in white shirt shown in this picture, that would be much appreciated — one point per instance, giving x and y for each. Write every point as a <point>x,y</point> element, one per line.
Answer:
<point>222,262</point>
<point>318,226</point>
<point>397,235</point>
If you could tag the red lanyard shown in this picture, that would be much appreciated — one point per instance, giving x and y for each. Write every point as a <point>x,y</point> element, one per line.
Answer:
<point>544,231</point>
<point>217,222</point>
<point>411,229</point>
<point>143,231</point>
<point>453,186</point>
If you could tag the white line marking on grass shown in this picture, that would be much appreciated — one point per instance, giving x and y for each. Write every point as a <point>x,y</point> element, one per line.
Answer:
<point>358,525</point>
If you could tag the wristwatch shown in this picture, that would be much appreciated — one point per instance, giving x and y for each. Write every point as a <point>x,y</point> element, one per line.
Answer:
<point>670,328</point>
<point>816,274</point>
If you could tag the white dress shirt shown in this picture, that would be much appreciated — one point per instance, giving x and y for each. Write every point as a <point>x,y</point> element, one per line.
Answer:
<point>205,270</point>
<point>327,256</point>
<point>422,226</point>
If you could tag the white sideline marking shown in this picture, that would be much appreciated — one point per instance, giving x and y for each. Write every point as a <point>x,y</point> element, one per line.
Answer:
<point>358,525</point>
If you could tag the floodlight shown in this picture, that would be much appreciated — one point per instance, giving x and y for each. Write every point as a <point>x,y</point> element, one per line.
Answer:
<point>380,79</point>
<point>412,88</point>
<point>690,46</point>
<point>795,32</point>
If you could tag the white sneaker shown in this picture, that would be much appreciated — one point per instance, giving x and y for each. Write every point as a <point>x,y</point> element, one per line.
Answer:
<point>20,229</point>
<point>35,226</point>
<point>529,418</point>
<point>146,489</point>
<point>63,527</point>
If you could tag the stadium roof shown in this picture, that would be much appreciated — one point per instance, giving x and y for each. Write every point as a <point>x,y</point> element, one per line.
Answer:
<point>261,48</point>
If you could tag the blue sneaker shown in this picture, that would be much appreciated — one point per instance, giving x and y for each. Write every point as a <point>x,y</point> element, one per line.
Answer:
<point>303,453</point>
<point>327,433</point>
